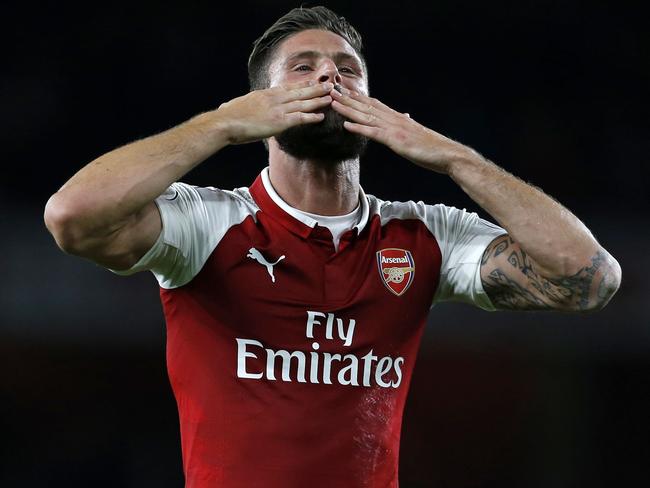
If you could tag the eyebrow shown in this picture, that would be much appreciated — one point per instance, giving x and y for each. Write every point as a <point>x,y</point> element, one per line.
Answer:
<point>337,57</point>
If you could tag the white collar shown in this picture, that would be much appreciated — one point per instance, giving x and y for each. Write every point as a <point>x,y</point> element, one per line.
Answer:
<point>310,219</point>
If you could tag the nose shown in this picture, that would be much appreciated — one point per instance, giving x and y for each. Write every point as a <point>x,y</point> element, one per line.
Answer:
<point>329,72</point>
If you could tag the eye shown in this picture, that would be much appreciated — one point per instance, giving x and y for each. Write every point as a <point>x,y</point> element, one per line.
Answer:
<point>303,67</point>
<point>346,69</point>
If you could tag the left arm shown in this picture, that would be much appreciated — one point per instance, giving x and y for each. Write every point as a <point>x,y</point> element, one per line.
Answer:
<point>548,260</point>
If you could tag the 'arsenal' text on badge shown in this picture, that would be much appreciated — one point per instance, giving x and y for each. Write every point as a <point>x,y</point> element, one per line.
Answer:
<point>396,268</point>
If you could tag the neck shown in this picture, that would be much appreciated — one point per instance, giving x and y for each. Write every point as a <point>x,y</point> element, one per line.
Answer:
<point>314,187</point>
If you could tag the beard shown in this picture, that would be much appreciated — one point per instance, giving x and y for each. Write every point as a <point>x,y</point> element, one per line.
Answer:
<point>327,142</point>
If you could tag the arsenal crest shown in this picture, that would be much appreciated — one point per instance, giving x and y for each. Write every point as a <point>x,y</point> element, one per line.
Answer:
<point>396,268</point>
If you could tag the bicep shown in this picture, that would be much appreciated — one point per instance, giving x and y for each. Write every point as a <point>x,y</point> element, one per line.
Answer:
<point>122,248</point>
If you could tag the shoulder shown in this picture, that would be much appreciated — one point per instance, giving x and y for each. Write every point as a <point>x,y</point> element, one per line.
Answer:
<point>449,225</point>
<point>412,210</point>
<point>191,199</point>
<point>185,192</point>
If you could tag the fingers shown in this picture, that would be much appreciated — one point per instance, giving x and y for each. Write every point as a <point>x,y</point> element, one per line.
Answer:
<point>308,105</point>
<point>356,112</point>
<point>349,106</point>
<point>374,133</point>
<point>300,84</point>
<point>299,118</point>
<point>365,104</point>
<point>360,116</point>
<point>305,92</point>
<point>368,111</point>
<point>360,113</point>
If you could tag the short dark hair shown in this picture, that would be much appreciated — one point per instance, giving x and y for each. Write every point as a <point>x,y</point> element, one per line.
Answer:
<point>296,20</point>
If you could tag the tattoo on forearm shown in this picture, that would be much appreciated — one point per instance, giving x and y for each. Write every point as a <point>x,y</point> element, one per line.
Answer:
<point>519,286</point>
<point>508,294</point>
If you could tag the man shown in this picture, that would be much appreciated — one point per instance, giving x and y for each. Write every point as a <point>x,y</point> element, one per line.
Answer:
<point>295,307</point>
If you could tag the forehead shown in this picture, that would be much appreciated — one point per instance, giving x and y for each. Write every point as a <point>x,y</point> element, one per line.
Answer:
<point>322,41</point>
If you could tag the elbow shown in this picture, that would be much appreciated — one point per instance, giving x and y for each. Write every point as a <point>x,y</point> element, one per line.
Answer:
<point>63,222</point>
<point>610,282</point>
<point>607,284</point>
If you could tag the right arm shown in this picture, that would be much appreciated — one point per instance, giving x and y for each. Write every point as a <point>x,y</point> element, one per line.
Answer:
<point>106,212</point>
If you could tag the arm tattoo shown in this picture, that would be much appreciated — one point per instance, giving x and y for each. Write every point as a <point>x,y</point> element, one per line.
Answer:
<point>514,284</point>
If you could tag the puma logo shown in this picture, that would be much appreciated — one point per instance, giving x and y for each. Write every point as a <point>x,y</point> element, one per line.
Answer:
<point>257,256</point>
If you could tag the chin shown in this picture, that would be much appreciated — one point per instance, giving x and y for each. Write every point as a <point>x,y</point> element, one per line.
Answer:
<point>327,141</point>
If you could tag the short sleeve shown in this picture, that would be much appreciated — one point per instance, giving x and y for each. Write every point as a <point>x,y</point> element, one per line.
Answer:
<point>463,237</point>
<point>194,220</point>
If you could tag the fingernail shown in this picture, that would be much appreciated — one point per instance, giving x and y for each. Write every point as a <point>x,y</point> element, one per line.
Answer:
<point>338,88</point>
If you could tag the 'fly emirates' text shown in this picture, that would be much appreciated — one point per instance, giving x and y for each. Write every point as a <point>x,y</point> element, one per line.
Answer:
<point>256,362</point>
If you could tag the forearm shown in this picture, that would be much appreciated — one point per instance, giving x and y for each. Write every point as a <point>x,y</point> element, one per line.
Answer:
<point>549,260</point>
<point>116,185</point>
<point>556,239</point>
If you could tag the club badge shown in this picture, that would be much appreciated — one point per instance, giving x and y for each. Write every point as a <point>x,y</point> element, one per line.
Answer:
<point>396,268</point>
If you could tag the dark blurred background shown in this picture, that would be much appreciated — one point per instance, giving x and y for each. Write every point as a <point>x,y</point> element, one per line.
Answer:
<point>554,91</point>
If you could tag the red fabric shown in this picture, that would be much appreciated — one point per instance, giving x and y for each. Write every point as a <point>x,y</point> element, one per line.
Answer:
<point>244,432</point>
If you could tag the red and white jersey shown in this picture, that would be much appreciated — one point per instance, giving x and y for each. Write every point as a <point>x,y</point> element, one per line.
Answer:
<point>290,360</point>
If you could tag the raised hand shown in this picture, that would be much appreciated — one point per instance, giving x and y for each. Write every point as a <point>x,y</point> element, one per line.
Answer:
<point>411,140</point>
<point>265,113</point>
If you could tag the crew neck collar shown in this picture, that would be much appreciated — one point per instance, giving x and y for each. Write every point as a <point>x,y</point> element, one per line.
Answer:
<point>296,220</point>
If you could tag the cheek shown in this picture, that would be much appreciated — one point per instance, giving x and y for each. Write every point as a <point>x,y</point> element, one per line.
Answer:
<point>275,76</point>
<point>359,86</point>
<point>294,76</point>
<point>280,79</point>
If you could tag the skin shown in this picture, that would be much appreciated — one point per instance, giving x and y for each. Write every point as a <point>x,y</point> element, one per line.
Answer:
<point>548,260</point>
<point>307,185</point>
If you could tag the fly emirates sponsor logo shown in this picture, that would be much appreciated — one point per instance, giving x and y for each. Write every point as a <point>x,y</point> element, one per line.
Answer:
<point>256,362</point>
